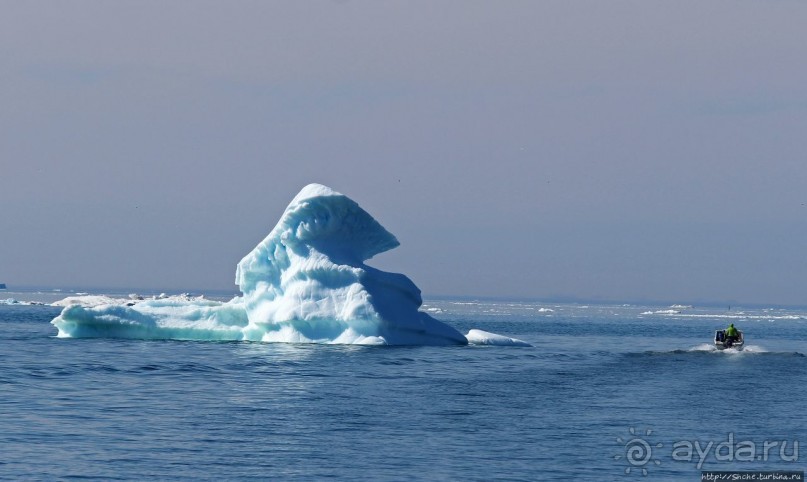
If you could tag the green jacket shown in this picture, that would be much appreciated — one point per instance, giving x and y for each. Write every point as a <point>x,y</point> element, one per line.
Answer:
<point>731,331</point>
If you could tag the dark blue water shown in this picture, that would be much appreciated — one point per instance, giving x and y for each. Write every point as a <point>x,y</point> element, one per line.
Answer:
<point>171,410</point>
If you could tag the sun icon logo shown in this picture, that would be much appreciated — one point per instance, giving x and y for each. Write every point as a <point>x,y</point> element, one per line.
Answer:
<point>638,451</point>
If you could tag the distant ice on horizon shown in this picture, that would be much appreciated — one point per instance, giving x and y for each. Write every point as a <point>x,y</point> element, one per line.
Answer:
<point>306,282</point>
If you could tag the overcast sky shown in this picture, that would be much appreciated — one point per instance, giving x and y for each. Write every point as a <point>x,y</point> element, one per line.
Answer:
<point>627,150</point>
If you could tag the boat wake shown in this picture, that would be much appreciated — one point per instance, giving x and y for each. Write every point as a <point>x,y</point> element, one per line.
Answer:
<point>708,349</point>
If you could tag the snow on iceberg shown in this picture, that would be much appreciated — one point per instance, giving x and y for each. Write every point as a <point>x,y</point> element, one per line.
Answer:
<point>88,300</point>
<point>306,282</point>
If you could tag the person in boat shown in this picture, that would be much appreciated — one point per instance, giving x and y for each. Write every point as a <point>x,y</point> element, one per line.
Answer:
<point>732,334</point>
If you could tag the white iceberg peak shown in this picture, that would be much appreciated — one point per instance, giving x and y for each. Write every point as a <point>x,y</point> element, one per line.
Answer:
<point>313,190</point>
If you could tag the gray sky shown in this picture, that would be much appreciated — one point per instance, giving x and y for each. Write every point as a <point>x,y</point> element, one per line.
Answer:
<point>597,149</point>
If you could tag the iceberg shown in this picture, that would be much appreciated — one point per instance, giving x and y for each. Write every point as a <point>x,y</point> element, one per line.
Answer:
<point>306,282</point>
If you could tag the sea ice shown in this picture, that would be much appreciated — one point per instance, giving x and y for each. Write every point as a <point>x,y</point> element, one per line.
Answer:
<point>13,301</point>
<point>479,337</point>
<point>306,282</point>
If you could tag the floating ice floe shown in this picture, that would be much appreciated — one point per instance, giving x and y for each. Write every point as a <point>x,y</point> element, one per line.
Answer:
<point>306,282</point>
<point>479,337</point>
<point>13,301</point>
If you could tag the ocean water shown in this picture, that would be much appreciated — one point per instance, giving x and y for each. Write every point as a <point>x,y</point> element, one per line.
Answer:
<point>604,390</point>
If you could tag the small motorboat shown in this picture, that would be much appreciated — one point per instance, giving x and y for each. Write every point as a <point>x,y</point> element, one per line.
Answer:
<point>722,341</point>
